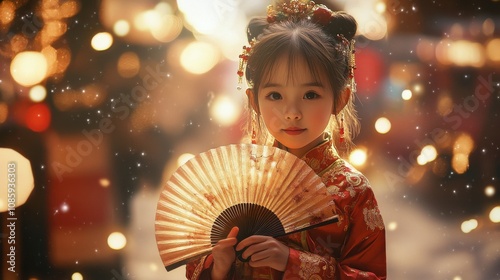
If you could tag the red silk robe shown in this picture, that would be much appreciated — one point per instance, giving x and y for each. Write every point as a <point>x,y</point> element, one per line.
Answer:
<point>353,248</point>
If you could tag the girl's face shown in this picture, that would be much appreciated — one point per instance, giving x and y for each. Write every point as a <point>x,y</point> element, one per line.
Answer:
<point>295,105</point>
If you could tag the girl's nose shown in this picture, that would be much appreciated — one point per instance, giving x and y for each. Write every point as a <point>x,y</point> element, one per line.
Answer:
<point>292,113</point>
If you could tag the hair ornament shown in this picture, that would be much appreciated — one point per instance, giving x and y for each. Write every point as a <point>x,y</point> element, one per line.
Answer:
<point>352,64</point>
<point>243,62</point>
<point>298,10</point>
<point>349,46</point>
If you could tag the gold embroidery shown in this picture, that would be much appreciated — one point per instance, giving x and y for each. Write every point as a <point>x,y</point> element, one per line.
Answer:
<point>333,190</point>
<point>199,268</point>
<point>309,266</point>
<point>373,219</point>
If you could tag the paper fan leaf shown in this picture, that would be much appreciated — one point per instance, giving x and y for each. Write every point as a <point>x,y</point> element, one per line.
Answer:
<point>262,190</point>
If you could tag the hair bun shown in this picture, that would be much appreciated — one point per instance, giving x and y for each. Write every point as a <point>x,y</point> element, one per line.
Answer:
<point>342,23</point>
<point>256,27</point>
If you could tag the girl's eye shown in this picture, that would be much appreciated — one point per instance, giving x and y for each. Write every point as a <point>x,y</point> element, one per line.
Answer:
<point>274,96</point>
<point>311,95</point>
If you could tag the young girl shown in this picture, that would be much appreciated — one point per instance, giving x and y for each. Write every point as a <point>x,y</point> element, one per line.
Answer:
<point>300,71</point>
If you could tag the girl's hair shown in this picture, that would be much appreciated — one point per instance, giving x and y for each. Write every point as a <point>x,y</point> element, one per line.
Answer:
<point>325,50</point>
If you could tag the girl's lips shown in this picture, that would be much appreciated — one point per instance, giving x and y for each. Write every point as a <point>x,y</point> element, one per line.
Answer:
<point>294,130</point>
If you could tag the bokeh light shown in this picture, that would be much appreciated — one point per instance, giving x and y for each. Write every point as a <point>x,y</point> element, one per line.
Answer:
<point>169,27</point>
<point>382,125</point>
<point>200,16</point>
<point>182,159</point>
<point>147,20</point>
<point>464,144</point>
<point>461,53</point>
<point>392,226</point>
<point>460,163</point>
<point>121,28</point>
<point>104,182</point>
<point>117,241</point>
<point>128,64</point>
<point>444,104</point>
<point>489,191</point>
<point>76,276</point>
<point>406,94</point>
<point>4,112</point>
<point>371,22</point>
<point>488,27</point>
<point>469,225</point>
<point>38,93</point>
<point>358,157</point>
<point>23,181</point>
<point>429,153</point>
<point>492,48</point>
<point>225,111</point>
<point>199,57</point>
<point>7,12</point>
<point>38,117</point>
<point>102,41</point>
<point>28,68</point>
<point>495,214</point>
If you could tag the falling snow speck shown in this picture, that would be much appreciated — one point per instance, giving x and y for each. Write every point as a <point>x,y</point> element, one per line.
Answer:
<point>64,207</point>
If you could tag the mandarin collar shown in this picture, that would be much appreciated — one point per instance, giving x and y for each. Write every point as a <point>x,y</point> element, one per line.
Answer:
<point>321,156</point>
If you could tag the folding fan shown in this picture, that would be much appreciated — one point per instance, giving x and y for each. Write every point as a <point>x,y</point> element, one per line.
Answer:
<point>262,190</point>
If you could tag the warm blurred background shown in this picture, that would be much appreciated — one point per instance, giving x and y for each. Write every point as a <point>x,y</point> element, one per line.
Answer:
<point>106,98</point>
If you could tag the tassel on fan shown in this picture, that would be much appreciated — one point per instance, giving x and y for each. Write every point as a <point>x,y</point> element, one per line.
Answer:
<point>262,190</point>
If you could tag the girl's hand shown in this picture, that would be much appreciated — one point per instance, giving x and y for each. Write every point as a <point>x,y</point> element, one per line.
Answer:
<point>264,251</point>
<point>224,255</point>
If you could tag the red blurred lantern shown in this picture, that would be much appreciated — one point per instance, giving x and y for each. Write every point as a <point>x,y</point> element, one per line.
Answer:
<point>37,117</point>
<point>369,73</point>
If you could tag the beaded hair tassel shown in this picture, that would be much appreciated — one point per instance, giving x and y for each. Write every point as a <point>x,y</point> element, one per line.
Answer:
<point>352,65</point>
<point>243,62</point>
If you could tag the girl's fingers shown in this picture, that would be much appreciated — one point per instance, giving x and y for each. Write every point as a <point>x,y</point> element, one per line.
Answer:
<point>231,238</point>
<point>227,242</point>
<point>234,232</point>
<point>251,240</point>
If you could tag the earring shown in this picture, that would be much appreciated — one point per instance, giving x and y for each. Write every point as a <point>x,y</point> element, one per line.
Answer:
<point>253,124</point>
<point>341,128</point>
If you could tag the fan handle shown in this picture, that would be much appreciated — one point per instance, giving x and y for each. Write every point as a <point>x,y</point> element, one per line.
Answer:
<point>332,220</point>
